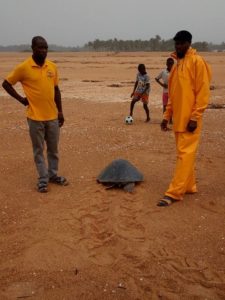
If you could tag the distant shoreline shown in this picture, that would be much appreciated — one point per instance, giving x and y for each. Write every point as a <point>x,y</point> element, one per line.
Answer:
<point>155,44</point>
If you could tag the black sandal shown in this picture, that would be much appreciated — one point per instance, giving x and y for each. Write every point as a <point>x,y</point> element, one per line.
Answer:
<point>60,180</point>
<point>42,187</point>
<point>166,201</point>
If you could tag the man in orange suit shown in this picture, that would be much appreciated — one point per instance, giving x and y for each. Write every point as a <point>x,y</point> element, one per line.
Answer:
<point>189,89</point>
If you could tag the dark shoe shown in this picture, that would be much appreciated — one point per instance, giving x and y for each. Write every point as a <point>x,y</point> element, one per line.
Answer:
<point>42,187</point>
<point>60,180</point>
<point>166,201</point>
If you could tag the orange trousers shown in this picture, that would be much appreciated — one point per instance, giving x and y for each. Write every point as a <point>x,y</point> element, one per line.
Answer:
<point>184,177</point>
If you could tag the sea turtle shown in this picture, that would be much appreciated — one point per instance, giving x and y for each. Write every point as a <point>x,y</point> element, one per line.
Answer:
<point>120,173</point>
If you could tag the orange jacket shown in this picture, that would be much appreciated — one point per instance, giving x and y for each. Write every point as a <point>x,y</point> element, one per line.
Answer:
<point>189,90</point>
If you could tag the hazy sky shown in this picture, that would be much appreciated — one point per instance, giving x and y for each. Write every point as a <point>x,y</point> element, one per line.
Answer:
<point>75,22</point>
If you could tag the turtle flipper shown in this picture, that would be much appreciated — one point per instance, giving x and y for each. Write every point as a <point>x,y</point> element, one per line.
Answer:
<point>111,186</point>
<point>129,187</point>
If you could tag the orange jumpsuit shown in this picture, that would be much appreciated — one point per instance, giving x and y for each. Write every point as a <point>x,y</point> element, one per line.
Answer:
<point>189,89</point>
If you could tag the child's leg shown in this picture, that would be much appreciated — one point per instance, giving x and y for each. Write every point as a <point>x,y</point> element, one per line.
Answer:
<point>145,106</point>
<point>165,97</point>
<point>134,100</point>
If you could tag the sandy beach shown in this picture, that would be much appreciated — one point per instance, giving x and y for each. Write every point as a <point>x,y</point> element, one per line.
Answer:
<point>85,242</point>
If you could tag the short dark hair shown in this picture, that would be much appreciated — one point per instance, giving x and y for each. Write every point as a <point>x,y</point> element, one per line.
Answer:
<point>35,39</point>
<point>141,66</point>
<point>183,36</point>
<point>170,59</point>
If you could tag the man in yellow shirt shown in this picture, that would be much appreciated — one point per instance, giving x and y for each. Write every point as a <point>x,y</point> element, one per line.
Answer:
<point>39,79</point>
<point>189,89</point>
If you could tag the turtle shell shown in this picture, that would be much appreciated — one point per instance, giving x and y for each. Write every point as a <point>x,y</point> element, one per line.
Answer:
<point>120,171</point>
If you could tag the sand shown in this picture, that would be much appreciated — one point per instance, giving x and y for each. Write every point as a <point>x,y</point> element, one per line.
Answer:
<point>85,242</point>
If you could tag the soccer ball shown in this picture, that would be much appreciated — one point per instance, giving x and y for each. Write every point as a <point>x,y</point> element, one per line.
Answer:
<point>129,120</point>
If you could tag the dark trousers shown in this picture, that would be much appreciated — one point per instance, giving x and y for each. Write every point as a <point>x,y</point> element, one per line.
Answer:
<point>42,132</point>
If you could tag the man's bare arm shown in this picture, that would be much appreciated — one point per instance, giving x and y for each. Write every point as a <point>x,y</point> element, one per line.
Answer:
<point>58,103</point>
<point>13,93</point>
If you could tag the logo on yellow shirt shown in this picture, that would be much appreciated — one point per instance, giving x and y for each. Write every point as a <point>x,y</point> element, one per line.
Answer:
<point>50,74</point>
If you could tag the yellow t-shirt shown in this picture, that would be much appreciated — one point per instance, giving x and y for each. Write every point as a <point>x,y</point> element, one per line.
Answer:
<point>39,87</point>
